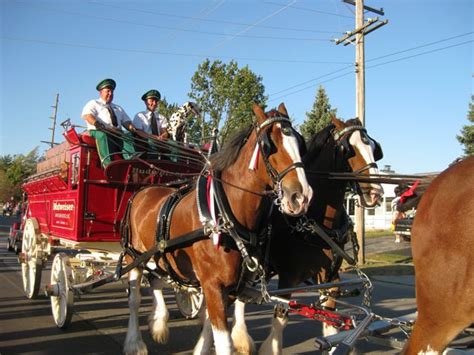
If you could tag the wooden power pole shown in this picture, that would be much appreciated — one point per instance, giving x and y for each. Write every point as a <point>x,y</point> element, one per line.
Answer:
<point>53,128</point>
<point>362,28</point>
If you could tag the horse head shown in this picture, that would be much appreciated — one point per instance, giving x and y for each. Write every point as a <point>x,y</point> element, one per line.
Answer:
<point>279,145</point>
<point>361,152</point>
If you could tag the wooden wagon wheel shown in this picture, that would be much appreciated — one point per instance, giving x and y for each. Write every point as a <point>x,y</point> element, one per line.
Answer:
<point>62,298</point>
<point>31,264</point>
<point>190,302</point>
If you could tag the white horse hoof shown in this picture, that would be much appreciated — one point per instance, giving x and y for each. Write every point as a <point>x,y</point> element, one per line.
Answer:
<point>159,330</point>
<point>243,342</point>
<point>136,347</point>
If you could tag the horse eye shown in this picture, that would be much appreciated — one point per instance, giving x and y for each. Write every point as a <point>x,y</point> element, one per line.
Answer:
<point>365,139</point>
<point>286,131</point>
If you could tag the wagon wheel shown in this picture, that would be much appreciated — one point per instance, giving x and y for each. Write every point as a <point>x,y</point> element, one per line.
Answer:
<point>190,302</point>
<point>62,298</point>
<point>31,265</point>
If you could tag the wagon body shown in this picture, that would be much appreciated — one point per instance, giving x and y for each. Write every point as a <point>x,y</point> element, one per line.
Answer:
<point>77,200</point>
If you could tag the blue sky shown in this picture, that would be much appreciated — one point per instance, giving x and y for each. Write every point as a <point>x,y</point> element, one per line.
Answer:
<point>418,78</point>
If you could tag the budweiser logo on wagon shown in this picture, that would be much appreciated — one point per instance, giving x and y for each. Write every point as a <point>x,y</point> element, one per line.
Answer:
<point>63,213</point>
<point>60,206</point>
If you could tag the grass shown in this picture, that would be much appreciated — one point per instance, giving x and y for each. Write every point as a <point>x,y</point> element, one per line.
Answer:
<point>377,233</point>
<point>388,264</point>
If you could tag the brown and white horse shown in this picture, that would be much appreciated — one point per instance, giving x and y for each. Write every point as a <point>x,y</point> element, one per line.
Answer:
<point>298,256</point>
<point>443,253</point>
<point>272,148</point>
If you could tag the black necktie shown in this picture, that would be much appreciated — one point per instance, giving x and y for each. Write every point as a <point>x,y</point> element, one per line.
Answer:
<point>112,116</point>
<point>154,126</point>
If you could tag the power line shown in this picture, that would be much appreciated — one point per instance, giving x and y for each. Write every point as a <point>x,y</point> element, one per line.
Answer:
<point>311,80</point>
<point>205,11</point>
<point>422,53</point>
<point>221,34</point>
<point>420,46</point>
<point>253,25</point>
<point>369,67</point>
<point>149,12</point>
<point>310,10</point>
<point>310,86</point>
<point>77,45</point>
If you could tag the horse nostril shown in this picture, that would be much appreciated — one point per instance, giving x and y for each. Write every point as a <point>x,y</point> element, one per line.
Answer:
<point>295,198</point>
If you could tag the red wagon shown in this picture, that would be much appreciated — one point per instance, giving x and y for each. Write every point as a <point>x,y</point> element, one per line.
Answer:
<point>74,210</point>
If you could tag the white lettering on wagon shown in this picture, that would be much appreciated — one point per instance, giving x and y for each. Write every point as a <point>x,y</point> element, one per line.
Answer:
<point>63,214</point>
<point>63,207</point>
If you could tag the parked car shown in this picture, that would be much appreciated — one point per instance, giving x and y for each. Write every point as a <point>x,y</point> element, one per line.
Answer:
<point>14,237</point>
<point>403,227</point>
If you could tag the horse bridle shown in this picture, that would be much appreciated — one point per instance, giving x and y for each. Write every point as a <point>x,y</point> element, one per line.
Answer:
<point>275,176</point>
<point>342,140</point>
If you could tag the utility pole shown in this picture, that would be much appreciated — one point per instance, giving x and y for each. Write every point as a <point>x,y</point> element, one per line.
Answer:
<point>361,29</point>
<point>53,128</point>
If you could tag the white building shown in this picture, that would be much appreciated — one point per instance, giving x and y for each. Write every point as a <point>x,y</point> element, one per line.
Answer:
<point>379,217</point>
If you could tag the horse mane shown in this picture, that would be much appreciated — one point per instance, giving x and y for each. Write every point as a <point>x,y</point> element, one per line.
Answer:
<point>227,156</point>
<point>317,142</point>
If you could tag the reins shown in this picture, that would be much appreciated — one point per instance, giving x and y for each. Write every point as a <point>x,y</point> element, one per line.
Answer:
<point>375,178</point>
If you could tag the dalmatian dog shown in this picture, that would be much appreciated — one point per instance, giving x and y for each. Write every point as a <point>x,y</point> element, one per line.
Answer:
<point>177,121</point>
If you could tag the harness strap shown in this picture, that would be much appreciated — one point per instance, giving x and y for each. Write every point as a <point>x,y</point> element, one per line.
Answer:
<point>338,134</point>
<point>271,120</point>
<point>226,212</point>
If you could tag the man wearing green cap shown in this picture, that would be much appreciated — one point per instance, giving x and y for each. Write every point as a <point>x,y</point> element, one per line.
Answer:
<point>150,121</point>
<point>101,114</point>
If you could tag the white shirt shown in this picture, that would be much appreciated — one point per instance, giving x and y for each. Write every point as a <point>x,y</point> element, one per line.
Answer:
<point>98,109</point>
<point>142,120</point>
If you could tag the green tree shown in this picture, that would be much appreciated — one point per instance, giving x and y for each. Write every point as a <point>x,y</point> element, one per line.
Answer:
<point>466,138</point>
<point>165,108</point>
<point>225,93</point>
<point>5,162</point>
<point>14,170</point>
<point>6,187</point>
<point>320,116</point>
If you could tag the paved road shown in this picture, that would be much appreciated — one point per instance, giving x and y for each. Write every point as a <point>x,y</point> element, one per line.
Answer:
<point>100,319</point>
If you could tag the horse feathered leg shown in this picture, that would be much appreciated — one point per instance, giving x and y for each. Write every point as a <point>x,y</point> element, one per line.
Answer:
<point>243,342</point>
<point>216,307</point>
<point>158,321</point>
<point>133,342</point>
<point>204,344</point>
<point>274,342</point>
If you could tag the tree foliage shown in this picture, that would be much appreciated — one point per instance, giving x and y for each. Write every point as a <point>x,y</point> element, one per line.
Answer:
<point>165,108</point>
<point>466,138</point>
<point>225,93</point>
<point>320,115</point>
<point>13,171</point>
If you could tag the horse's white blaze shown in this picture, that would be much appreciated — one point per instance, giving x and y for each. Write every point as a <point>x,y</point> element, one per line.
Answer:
<point>291,146</point>
<point>366,150</point>
<point>222,341</point>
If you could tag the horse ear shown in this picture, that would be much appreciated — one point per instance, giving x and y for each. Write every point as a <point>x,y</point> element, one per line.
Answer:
<point>259,113</point>
<point>337,122</point>
<point>282,109</point>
